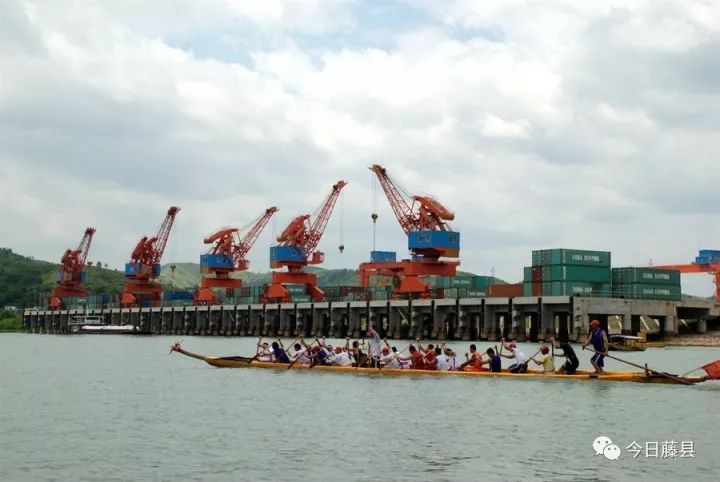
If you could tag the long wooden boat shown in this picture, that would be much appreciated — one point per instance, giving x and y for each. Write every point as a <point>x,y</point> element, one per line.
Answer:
<point>616,376</point>
<point>627,343</point>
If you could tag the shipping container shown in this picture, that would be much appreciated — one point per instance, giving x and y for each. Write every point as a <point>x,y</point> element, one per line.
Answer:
<point>478,294</point>
<point>579,257</point>
<point>178,295</point>
<point>527,288</point>
<point>590,274</point>
<point>576,288</point>
<point>527,273</point>
<point>506,290</point>
<point>300,298</point>
<point>383,256</point>
<point>445,243</point>
<point>286,253</point>
<point>296,289</point>
<point>645,275</point>
<point>216,261</point>
<point>648,291</point>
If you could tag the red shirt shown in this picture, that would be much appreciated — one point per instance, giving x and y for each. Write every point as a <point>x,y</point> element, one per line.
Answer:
<point>430,360</point>
<point>417,361</point>
<point>476,361</point>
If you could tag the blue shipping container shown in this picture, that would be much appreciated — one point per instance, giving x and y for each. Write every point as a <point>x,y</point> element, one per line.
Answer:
<point>702,260</point>
<point>287,253</point>
<point>709,253</point>
<point>132,269</point>
<point>178,295</point>
<point>216,261</point>
<point>383,256</point>
<point>447,242</point>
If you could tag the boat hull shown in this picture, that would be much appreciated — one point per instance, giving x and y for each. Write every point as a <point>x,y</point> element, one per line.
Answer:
<point>620,376</point>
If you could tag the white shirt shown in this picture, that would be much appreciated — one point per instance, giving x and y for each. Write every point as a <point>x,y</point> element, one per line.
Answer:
<point>375,348</point>
<point>342,359</point>
<point>389,361</point>
<point>442,363</point>
<point>520,357</point>
<point>301,356</point>
<point>264,355</point>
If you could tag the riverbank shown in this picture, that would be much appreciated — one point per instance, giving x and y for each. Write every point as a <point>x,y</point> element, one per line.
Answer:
<point>709,339</point>
<point>10,325</point>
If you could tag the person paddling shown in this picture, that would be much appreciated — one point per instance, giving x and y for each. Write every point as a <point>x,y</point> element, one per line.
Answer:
<point>599,340</point>
<point>572,363</point>
<point>263,353</point>
<point>520,359</point>
<point>279,353</point>
<point>545,360</point>
<point>495,361</point>
<point>473,360</point>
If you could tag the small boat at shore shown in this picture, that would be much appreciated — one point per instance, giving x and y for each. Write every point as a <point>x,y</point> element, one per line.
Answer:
<point>627,343</point>
<point>615,376</point>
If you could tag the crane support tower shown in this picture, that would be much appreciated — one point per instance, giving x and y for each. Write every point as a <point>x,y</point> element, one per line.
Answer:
<point>72,275</point>
<point>707,261</point>
<point>141,273</point>
<point>296,248</point>
<point>425,223</point>
<point>228,255</point>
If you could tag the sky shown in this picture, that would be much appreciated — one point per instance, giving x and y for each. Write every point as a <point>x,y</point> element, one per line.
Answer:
<point>541,124</point>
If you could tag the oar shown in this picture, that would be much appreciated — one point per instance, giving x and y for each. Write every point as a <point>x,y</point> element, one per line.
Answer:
<point>292,363</point>
<point>380,367</point>
<point>283,347</point>
<point>645,368</point>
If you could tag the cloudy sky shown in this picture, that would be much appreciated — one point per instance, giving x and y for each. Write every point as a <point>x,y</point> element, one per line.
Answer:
<point>542,124</point>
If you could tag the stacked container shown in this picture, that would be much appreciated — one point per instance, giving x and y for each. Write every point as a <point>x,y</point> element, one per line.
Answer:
<point>707,256</point>
<point>646,283</point>
<point>568,272</point>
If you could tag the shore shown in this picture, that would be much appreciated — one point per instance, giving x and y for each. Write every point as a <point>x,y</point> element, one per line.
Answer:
<point>711,338</point>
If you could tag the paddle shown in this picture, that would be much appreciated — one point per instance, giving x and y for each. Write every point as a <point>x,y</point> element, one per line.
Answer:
<point>645,368</point>
<point>292,363</point>
<point>283,346</point>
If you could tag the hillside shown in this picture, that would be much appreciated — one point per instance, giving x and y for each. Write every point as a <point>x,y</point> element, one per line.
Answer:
<point>186,276</point>
<point>25,280</point>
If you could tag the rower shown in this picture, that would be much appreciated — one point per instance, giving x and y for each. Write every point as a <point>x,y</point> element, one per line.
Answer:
<point>278,352</point>
<point>572,363</point>
<point>521,359</point>
<point>443,361</point>
<point>494,361</point>
<point>388,359</point>
<point>300,353</point>
<point>599,339</point>
<point>355,352</point>
<point>473,360</point>
<point>545,360</point>
<point>416,357</point>
<point>263,353</point>
<point>340,357</point>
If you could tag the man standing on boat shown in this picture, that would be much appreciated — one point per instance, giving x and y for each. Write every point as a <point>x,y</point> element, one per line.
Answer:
<point>375,346</point>
<point>599,340</point>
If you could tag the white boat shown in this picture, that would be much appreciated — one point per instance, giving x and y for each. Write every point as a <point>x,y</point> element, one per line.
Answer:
<point>96,325</point>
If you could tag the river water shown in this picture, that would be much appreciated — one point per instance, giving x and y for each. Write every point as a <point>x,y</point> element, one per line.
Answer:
<point>90,407</point>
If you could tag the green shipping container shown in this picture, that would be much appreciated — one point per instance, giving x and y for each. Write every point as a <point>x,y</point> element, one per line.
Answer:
<point>576,288</point>
<point>589,274</point>
<point>527,288</point>
<point>527,273</point>
<point>461,281</point>
<point>476,294</point>
<point>646,276</point>
<point>300,298</point>
<point>545,257</point>
<point>648,291</point>
<point>296,289</point>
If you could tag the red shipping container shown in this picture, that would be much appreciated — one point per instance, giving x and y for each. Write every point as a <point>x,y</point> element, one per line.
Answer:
<point>505,290</point>
<point>439,293</point>
<point>536,288</point>
<point>537,273</point>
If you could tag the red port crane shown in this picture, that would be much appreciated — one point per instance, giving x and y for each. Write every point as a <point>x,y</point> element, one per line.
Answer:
<point>707,261</point>
<point>144,266</point>
<point>425,222</point>
<point>228,255</point>
<point>71,276</point>
<point>296,249</point>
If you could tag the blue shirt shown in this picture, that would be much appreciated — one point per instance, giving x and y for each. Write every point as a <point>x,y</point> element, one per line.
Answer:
<point>280,355</point>
<point>495,364</point>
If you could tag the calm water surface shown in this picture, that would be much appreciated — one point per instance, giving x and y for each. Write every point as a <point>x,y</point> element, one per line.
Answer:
<point>120,408</point>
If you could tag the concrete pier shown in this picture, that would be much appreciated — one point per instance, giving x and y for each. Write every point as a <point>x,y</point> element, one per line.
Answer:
<point>524,318</point>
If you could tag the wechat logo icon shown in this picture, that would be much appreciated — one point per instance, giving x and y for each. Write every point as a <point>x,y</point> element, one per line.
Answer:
<point>604,446</point>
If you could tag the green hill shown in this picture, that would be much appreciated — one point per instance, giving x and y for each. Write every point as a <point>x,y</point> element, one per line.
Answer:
<point>25,280</point>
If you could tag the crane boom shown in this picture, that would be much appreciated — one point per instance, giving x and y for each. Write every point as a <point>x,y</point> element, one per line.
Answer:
<point>71,274</point>
<point>321,219</point>
<point>398,203</point>
<point>247,241</point>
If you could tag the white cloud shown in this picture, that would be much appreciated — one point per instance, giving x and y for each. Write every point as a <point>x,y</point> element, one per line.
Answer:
<point>541,124</point>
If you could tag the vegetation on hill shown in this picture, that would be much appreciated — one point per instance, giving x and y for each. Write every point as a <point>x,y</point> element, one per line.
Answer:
<point>25,281</point>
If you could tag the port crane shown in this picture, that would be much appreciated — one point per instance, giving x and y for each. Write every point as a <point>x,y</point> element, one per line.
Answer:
<point>425,223</point>
<point>228,255</point>
<point>297,248</point>
<point>707,261</point>
<point>71,275</point>
<point>141,273</point>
